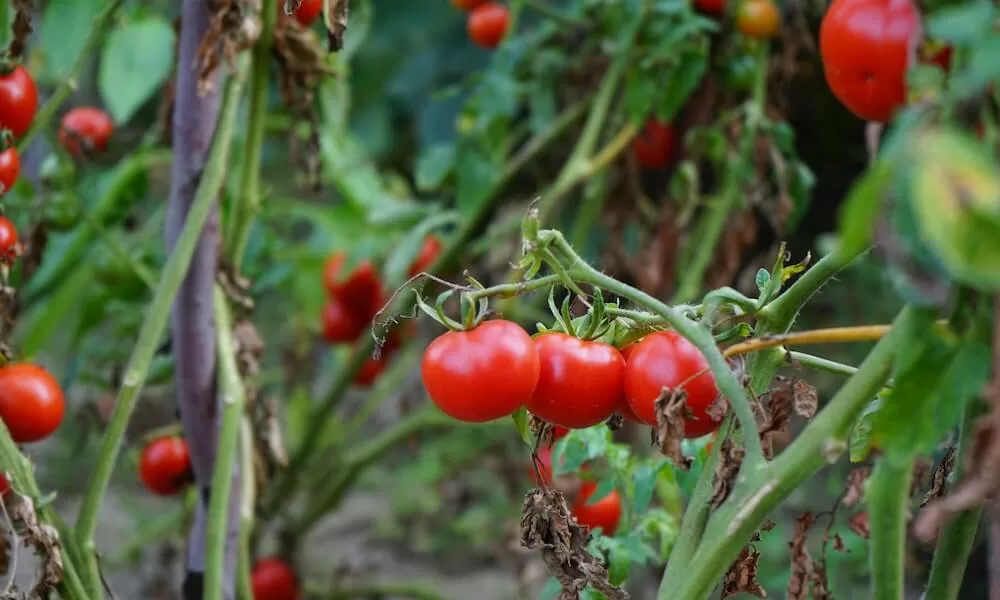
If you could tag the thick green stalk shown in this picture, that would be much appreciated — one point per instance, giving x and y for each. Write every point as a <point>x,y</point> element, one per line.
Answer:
<point>155,322</point>
<point>954,544</point>
<point>231,396</point>
<point>248,500</point>
<point>247,202</point>
<point>69,82</point>
<point>887,497</point>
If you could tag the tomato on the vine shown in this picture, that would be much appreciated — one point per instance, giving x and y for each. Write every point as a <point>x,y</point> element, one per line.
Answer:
<point>468,4</point>
<point>10,168</point>
<point>666,360</point>
<point>487,24</point>
<point>580,383</point>
<point>758,19</point>
<point>85,130</point>
<point>625,410</point>
<point>360,290</point>
<point>654,145</point>
<point>715,8</point>
<point>482,374</point>
<point>307,12</point>
<point>429,253</point>
<point>8,240</point>
<point>165,465</point>
<point>866,46</point>
<point>31,402</point>
<point>604,513</point>
<point>370,371</point>
<point>18,101</point>
<point>340,324</point>
<point>272,579</point>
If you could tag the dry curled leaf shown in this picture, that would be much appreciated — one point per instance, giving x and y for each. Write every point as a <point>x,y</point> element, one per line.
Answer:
<point>233,27</point>
<point>741,578</point>
<point>801,561</point>
<point>854,487</point>
<point>778,407</point>
<point>548,526</point>
<point>939,478</point>
<point>731,457</point>
<point>805,399</point>
<point>21,29</point>
<point>671,412</point>
<point>859,524</point>
<point>40,536</point>
<point>336,23</point>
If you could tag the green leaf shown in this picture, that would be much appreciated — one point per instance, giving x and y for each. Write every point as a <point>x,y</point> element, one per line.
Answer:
<point>644,480</point>
<point>962,23</point>
<point>520,418</point>
<point>434,165</point>
<point>861,208</point>
<point>683,81</point>
<point>476,177</point>
<point>399,261</point>
<point>136,60</point>
<point>982,68</point>
<point>860,441</point>
<point>64,28</point>
<point>605,487</point>
<point>763,280</point>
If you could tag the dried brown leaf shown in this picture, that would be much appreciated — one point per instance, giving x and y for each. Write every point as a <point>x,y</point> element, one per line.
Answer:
<point>741,578</point>
<point>939,478</point>
<point>854,487</point>
<point>859,524</point>
<point>671,412</point>
<point>768,525</point>
<point>801,561</point>
<point>730,459</point>
<point>818,583</point>
<point>43,538</point>
<point>778,407</point>
<point>21,29</point>
<point>336,24</point>
<point>805,399</point>
<point>838,543</point>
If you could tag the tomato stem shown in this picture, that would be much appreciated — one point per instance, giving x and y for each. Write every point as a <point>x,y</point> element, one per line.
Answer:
<point>834,335</point>
<point>887,497</point>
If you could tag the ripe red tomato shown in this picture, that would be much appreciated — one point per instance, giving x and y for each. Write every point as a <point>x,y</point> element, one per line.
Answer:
<point>18,101</point>
<point>4,485</point>
<point>31,402</point>
<point>360,291</point>
<point>715,8</point>
<point>625,409</point>
<point>370,371</point>
<point>272,579</point>
<point>10,168</point>
<point>654,145</point>
<point>604,513</point>
<point>307,12</point>
<point>758,19</point>
<point>666,360</point>
<point>8,239</point>
<point>559,432</point>
<point>468,4</point>
<point>866,46</point>
<point>580,383</point>
<point>482,374</point>
<point>488,24</point>
<point>85,130</point>
<point>165,465</point>
<point>429,253</point>
<point>340,324</point>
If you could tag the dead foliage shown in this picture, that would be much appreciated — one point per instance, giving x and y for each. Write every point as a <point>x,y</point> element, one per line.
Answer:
<point>854,488</point>
<point>233,27</point>
<point>19,512</point>
<point>548,526</point>
<point>730,459</point>
<point>939,478</point>
<point>860,525</point>
<point>808,576</point>
<point>336,24</point>
<point>741,578</point>
<point>21,29</point>
<point>804,399</point>
<point>671,412</point>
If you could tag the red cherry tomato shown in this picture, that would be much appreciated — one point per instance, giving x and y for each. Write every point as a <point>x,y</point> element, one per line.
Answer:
<point>468,5</point>
<point>18,101</point>
<point>758,19</point>
<point>865,46</point>
<point>273,579</point>
<point>429,253</point>
<point>340,324</point>
<point>654,145</point>
<point>580,383</point>
<point>939,55</point>
<point>488,24</point>
<point>559,432</point>
<point>370,371</point>
<point>31,402</point>
<point>666,360</point>
<point>165,465</point>
<point>307,12</point>
<point>10,168</point>
<point>604,513</point>
<point>715,8</point>
<point>360,291</point>
<point>4,485</point>
<point>85,130</point>
<point>625,409</point>
<point>8,239</point>
<point>482,374</point>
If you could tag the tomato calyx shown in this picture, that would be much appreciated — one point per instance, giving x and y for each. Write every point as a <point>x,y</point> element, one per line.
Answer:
<point>594,325</point>
<point>474,309</point>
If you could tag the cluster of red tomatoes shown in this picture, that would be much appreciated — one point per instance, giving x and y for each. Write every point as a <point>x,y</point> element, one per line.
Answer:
<point>493,370</point>
<point>355,297</point>
<point>31,405</point>
<point>487,23</point>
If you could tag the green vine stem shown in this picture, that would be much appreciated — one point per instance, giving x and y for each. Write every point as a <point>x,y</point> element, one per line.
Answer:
<point>231,399</point>
<point>48,110</point>
<point>887,497</point>
<point>821,364</point>
<point>248,500</point>
<point>155,322</point>
<point>413,591</point>
<point>4,23</point>
<point>247,202</point>
<point>757,494</point>
<point>954,544</point>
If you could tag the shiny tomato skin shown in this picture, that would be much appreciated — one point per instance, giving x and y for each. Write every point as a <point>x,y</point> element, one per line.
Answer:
<point>866,47</point>
<point>666,359</point>
<point>605,513</point>
<point>758,19</point>
<point>340,324</point>
<point>360,290</point>
<point>370,371</point>
<point>482,374</point>
<point>468,5</point>
<point>31,402</point>
<point>8,239</point>
<point>18,101</point>
<point>559,432</point>
<point>654,145</point>
<point>10,168</point>
<point>85,129</point>
<point>580,383</point>
<point>165,466</point>
<point>625,409</point>
<point>429,253</point>
<point>487,24</point>
<point>272,579</point>
<point>307,12</point>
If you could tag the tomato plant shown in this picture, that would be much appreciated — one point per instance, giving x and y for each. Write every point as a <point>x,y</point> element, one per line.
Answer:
<point>340,324</point>
<point>18,101</point>
<point>360,290</point>
<point>488,24</point>
<point>308,11</point>
<point>272,579</point>
<point>31,402</point>
<point>370,371</point>
<point>758,19</point>
<point>4,485</point>
<point>580,383</point>
<point>165,466</point>
<point>8,239</point>
<point>85,130</point>
<point>10,168</point>
<point>429,252</point>
<point>483,374</point>
<point>605,513</point>
<point>654,145</point>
